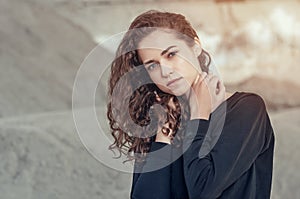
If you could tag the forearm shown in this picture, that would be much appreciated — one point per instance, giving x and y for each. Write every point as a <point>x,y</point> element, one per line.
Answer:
<point>154,180</point>
<point>241,141</point>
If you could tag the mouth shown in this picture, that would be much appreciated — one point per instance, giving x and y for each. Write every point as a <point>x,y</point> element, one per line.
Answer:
<point>173,81</point>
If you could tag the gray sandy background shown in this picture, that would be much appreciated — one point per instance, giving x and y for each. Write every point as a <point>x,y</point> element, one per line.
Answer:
<point>44,42</point>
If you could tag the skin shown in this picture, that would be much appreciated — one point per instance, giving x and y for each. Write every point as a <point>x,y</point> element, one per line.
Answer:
<point>168,58</point>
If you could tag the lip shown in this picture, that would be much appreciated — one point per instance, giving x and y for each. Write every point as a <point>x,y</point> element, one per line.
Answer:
<point>173,81</point>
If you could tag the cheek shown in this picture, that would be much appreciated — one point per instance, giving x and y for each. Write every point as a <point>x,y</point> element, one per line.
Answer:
<point>193,71</point>
<point>188,71</point>
<point>155,77</point>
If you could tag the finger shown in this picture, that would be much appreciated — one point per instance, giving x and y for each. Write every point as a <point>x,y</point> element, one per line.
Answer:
<point>213,82</point>
<point>200,77</point>
<point>196,80</point>
<point>221,91</point>
<point>209,76</point>
<point>218,87</point>
<point>222,88</point>
<point>220,84</point>
<point>204,77</point>
<point>204,74</point>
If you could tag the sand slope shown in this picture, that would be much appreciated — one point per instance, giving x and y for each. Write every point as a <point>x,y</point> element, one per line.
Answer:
<point>42,157</point>
<point>40,53</point>
<point>41,154</point>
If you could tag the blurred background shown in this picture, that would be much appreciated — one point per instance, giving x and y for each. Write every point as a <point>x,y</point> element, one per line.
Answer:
<point>255,45</point>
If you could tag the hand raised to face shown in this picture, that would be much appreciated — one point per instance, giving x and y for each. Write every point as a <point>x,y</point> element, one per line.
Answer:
<point>207,93</point>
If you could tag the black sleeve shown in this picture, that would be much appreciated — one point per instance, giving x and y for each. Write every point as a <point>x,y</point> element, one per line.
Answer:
<point>152,179</point>
<point>245,135</point>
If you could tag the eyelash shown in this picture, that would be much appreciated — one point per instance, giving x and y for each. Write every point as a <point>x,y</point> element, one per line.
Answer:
<point>173,53</point>
<point>149,67</point>
<point>170,55</point>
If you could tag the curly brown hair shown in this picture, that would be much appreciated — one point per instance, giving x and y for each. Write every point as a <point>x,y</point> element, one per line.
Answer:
<point>139,101</point>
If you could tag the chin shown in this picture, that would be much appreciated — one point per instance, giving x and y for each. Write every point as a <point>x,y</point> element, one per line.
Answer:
<point>178,92</point>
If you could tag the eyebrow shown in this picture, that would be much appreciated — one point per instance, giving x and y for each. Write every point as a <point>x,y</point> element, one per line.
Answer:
<point>162,53</point>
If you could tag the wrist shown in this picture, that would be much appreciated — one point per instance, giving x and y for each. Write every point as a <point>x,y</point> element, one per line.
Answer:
<point>163,139</point>
<point>200,115</point>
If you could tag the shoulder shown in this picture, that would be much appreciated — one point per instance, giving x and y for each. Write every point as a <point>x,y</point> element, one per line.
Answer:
<point>249,104</point>
<point>254,100</point>
<point>250,100</point>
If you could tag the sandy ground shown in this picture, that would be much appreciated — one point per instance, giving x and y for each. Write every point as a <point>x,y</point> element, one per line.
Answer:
<point>42,46</point>
<point>42,157</point>
<point>286,162</point>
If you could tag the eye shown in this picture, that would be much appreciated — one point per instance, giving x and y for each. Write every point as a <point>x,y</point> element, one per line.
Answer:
<point>152,66</point>
<point>171,54</point>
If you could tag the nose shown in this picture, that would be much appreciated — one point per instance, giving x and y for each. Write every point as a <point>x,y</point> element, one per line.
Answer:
<point>166,69</point>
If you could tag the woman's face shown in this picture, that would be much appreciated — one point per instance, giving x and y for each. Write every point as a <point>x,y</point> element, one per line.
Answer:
<point>170,62</point>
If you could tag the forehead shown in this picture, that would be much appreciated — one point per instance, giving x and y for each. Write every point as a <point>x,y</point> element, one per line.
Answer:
<point>161,40</point>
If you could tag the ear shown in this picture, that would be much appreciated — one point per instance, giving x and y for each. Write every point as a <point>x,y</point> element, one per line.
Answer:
<point>197,47</point>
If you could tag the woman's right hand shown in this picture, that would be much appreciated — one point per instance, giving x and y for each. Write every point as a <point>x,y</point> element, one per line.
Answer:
<point>206,94</point>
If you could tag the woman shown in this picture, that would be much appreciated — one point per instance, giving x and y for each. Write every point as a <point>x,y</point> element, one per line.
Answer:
<point>206,143</point>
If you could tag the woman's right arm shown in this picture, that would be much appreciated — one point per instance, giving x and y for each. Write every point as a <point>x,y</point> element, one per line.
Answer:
<point>248,135</point>
<point>151,179</point>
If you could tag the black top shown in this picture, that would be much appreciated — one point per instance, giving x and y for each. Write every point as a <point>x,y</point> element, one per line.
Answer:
<point>235,164</point>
